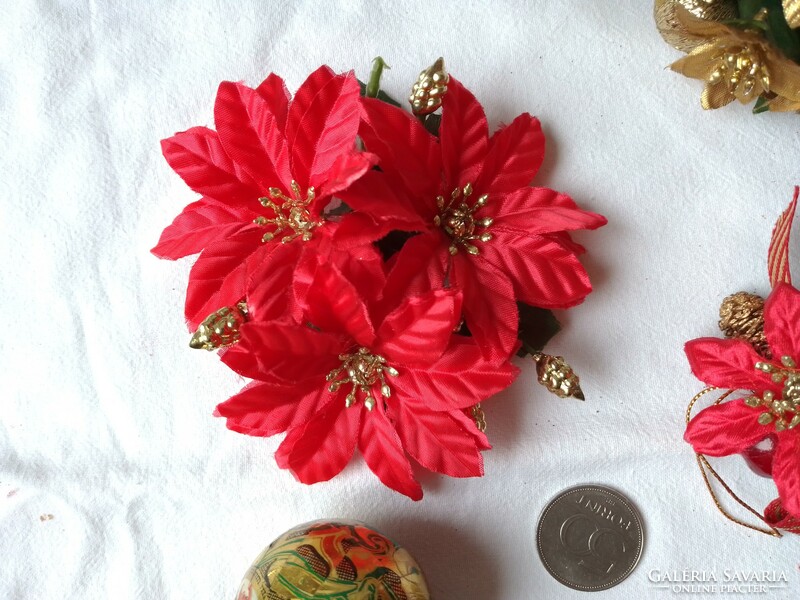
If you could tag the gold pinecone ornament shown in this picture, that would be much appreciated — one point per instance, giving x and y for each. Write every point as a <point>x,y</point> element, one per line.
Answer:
<point>741,316</point>
<point>674,33</point>
<point>426,93</point>
<point>220,329</point>
<point>557,376</point>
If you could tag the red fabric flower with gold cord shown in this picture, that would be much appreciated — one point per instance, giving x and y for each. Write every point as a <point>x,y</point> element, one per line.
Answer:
<point>387,376</point>
<point>773,409</point>
<point>480,224</point>
<point>266,175</point>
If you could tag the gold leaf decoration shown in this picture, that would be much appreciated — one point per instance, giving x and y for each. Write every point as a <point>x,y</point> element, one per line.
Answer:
<point>673,31</point>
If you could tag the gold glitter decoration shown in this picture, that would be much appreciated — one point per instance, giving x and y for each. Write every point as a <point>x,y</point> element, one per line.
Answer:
<point>737,64</point>
<point>426,94</point>
<point>741,316</point>
<point>557,376</point>
<point>220,328</point>
<point>791,9</point>
<point>457,219</point>
<point>673,32</point>
<point>782,411</point>
<point>291,214</point>
<point>363,370</point>
<point>477,414</point>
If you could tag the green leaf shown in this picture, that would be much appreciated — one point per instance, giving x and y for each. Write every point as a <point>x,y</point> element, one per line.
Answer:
<point>761,105</point>
<point>536,327</point>
<point>779,32</point>
<point>749,8</point>
<point>432,123</point>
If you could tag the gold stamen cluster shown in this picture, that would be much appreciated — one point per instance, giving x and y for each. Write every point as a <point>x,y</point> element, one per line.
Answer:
<point>426,93</point>
<point>363,370</point>
<point>782,411</point>
<point>457,219</point>
<point>220,328</point>
<point>291,214</point>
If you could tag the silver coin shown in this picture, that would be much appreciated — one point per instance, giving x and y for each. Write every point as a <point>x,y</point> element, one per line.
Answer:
<point>590,537</point>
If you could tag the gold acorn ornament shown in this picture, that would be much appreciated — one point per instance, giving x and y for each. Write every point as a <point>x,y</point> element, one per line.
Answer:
<point>670,28</point>
<point>741,316</point>
<point>431,85</point>
<point>220,329</point>
<point>555,374</point>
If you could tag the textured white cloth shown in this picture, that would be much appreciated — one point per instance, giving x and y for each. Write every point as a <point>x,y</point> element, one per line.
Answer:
<point>115,479</point>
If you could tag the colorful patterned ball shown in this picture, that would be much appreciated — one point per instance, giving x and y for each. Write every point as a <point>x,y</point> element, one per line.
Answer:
<point>336,561</point>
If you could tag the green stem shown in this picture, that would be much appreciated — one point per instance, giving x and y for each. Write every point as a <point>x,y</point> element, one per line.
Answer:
<point>374,83</point>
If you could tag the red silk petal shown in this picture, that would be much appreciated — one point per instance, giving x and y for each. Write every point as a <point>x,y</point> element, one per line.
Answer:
<point>515,155</point>
<point>218,278</point>
<point>382,451</point>
<point>303,97</point>
<point>326,131</point>
<point>464,136</point>
<point>269,282</point>
<point>347,169</point>
<point>284,351</point>
<point>375,195</point>
<point>198,157</point>
<point>333,304</point>
<point>200,224</point>
<point>250,135</point>
<point>727,364</point>
<point>418,331</point>
<point>786,470</point>
<point>275,94</point>
<point>724,429</point>
<point>543,272</point>
<point>533,211</point>
<point>266,408</point>
<point>419,266</point>
<point>459,379</point>
<point>490,308</point>
<point>320,449</point>
<point>437,441</point>
<point>782,321</point>
<point>466,422</point>
<point>777,516</point>
<point>408,153</point>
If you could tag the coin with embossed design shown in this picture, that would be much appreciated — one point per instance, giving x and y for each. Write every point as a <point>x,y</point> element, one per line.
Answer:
<point>590,537</point>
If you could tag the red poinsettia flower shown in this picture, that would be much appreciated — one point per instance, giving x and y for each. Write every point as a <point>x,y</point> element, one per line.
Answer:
<point>266,174</point>
<point>774,407</point>
<point>480,224</point>
<point>387,376</point>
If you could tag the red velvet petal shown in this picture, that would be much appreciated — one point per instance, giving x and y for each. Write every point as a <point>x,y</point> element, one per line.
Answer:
<point>533,211</point>
<point>303,98</point>
<point>382,451</point>
<point>782,321</point>
<point>198,157</point>
<point>408,154</point>
<point>464,136</point>
<point>326,131</point>
<point>250,135</point>
<point>786,470</point>
<point>459,379</point>
<point>437,441</point>
<point>375,195</point>
<point>333,304</point>
<point>218,278</point>
<point>723,429</point>
<point>320,449</point>
<point>275,94</point>
<point>727,364</point>
<point>201,223</point>
<point>418,331</point>
<point>284,351</point>
<point>490,307</point>
<point>347,169</point>
<point>543,272</point>
<point>515,155</point>
<point>267,408</point>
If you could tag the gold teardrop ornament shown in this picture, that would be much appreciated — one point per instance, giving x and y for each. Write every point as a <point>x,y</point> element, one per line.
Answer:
<point>220,329</point>
<point>555,374</point>
<point>431,86</point>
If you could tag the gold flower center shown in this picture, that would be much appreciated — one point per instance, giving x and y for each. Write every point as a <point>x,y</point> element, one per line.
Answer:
<point>457,219</point>
<point>362,370</point>
<point>291,214</point>
<point>742,68</point>
<point>784,410</point>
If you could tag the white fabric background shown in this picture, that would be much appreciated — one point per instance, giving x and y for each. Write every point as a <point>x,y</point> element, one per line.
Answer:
<point>105,421</point>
